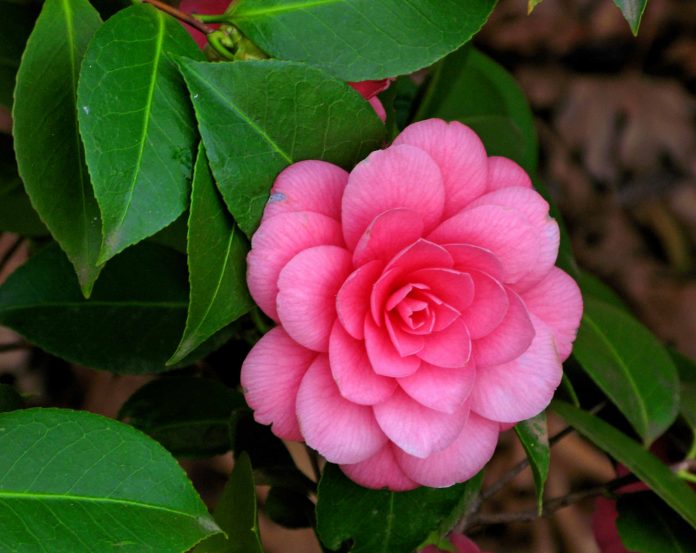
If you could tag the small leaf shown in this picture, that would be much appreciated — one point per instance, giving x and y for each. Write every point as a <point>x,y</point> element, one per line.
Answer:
<point>630,366</point>
<point>10,400</point>
<point>217,264</point>
<point>640,462</point>
<point>379,520</point>
<point>632,11</point>
<point>78,482</point>
<point>531,4</point>
<point>358,40</point>
<point>52,168</point>
<point>534,437</point>
<point>187,415</point>
<point>236,514</point>
<point>137,124</point>
<point>258,117</point>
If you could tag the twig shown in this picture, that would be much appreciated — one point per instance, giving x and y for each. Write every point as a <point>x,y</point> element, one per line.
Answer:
<point>182,16</point>
<point>10,252</point>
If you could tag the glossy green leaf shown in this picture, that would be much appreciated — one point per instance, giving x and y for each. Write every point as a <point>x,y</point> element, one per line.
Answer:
<point>379,520</point>
<point>49,152</point>
<point>592,287</point>
<point>470,87</point>
<point>187,415</point>
<point>78,482</point>
<point>643,464</point>
<point>236,513</point>
<point>10,400</point>
<point>687,382</point>
<point>630,366</point>
<point>647,525</point>
<point>217,264</point>
<point>137,124</point>
<point>358,40</point>
<point>131,324</point>
<point>534,437</point>
<point>258,117</point>
<point>632,10</point>
<point>15,25</point>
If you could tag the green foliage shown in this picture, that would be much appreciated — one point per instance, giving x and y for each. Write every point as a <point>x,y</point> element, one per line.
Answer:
<point>687,396</point>
<point>10,400</point>
<point>15,25</point>
<point>632,10</point>
<point>78,482</point>
<point>534,437</point>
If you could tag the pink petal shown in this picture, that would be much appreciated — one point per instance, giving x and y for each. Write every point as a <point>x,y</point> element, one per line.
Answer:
<point>440,389</point>
<point>340,430</point>
<point>503,231</point>
<point>451,286</point>
<point>388,234</point>
<point>271,375</point>
<point>353,372</point>
<point>307,294</point>
<point>521,389</point>
<point>503,172</point>
<point>277,241</point>
<point>380,471</point>
<point>509,339</point>
<point>489,307</point>
<point>472,258</point>
<point>309,185</point>
<point>379,108</point>
<point>384,358</point>
<point>550,240</point>
<point>405,344</point>
<point>461,460</point>
<point>416,429</point>
<point>458,152</point>
<point>449,348</point>
<point>463,544</point>
<point>398,177</point>
<point>353,299</point>
<point>370,89</point>
<point>557,301</point>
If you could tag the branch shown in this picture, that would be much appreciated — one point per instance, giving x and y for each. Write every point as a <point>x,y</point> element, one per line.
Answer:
<point>182,16</point>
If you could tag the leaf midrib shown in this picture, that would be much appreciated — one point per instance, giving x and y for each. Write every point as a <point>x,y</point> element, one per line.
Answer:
<point>287,7</point>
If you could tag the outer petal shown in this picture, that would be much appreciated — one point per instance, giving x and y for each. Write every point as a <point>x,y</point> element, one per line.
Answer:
<point>310,185</point>
<point>503,172</point>
<point>307,294</point>
<point>398,177</point>
<point>550,240</point>
<point>380,471</point>
<point>271,375</point>
<point>388,234</point>
<point>524,387</point>
<point>340,430</point>
<point>557,301</point>
<point>473,258</point>
<point>384,358</point>
<point>416,429</point>
<point>353,299</point>
<point>440,389</point>
<point>460,155</point>
<point>449,348</point>
<point>277,241</point>
<point>489,307</point>
<point>463,458</point>
<point>352,371</point>
<point>509,339</point>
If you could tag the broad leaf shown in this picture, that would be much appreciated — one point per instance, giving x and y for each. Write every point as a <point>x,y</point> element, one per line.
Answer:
<point>49,152</point>
<point>592,287</point>
<point>78,482</point>
<point>632,10</point>
<point>217,264</point>
<point>258,117</point>
<point>189,416</point>
<point>10,400</point>
<point>358,40</point>
<point>379,520</point>
<point>15,26</point>
<point>630,366</point>
<point>236,514</point>
<point>137,124</point>
<point>639,461</point>
<point>534,436</point>
<point>687,382</point>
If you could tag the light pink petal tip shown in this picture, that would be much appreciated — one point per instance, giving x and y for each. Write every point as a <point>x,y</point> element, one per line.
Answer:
<point>441,389</point>
<point>504,173</point>
<point>380,471</point>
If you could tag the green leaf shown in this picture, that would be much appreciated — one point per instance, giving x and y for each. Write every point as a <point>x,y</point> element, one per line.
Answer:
<point>379,520</point>
<point>630,366</point>
<point>258,117</point>
<point>470,87</point>
<point>289,508</point>
<point>358,40</point>
<point>534,437</point>
<point>632,11</point>
<point>15,26</point>
<point>137,124</point>
<point>236,513</point>
<point>531,4</point>
<point>640,462</point>
<point>592,287</point>
<point>10,400</point>
<point>131,324</point>
<point>49,152</point>
<point>187,415</point>
<point>217,264</point>
<point>687,382</point>
<point>647,525</point>
<point>78,482</point>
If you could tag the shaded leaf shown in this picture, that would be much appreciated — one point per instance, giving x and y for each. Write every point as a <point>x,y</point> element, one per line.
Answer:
<point>289,508</point>
<point>258,117</point>
<point>78,482</point>
<point>534,437</point>
<point>591,286</point>
<point>632,10</point>
<point>687,383</point>
<point>10,400</point>
<point>15,26</point>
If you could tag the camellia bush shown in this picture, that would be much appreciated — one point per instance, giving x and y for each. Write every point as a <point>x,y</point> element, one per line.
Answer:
<point>343,194</point>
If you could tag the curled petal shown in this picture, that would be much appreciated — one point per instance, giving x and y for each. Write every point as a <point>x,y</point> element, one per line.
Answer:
<point>380,471</point>
<point>271,375</point>
<point>384,358</point>
<point>503,173</point>
<point>405,343</point>
<point>469,258</point>
<point>449,348</point>
<point>451,286</point>
<point>353,299</point>
<point>389,233</point>
<point>489,307</point>
<point>340,430</point>
<point>440,389</point>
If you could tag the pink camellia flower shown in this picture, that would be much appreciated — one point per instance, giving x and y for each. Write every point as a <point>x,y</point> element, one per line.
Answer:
<point>418,308</point>
<point>460,542</point>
